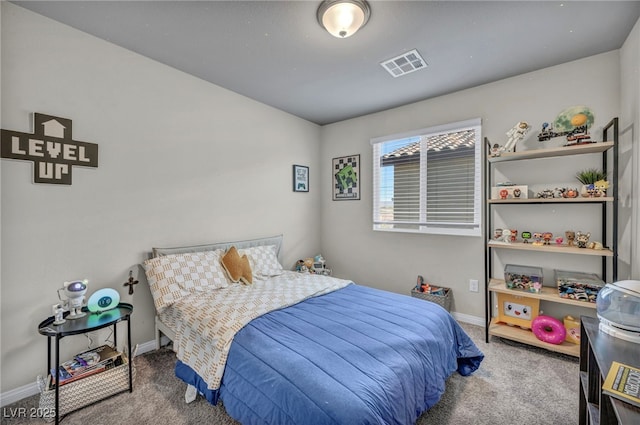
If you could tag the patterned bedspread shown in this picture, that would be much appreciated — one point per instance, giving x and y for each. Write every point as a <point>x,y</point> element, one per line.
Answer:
<point>205,323</point>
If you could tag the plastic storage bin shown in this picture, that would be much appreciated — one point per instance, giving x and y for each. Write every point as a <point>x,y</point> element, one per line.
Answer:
<point>523,278</point>
<point>578,285</point>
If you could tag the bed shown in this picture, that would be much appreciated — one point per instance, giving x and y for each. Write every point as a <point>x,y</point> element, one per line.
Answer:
<point>297,348</point>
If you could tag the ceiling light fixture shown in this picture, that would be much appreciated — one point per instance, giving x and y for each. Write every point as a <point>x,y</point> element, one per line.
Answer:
<point>343,18</point>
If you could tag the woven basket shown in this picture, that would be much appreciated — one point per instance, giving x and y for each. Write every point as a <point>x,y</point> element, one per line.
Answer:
<point>83,392</point>
<point>442,300</point>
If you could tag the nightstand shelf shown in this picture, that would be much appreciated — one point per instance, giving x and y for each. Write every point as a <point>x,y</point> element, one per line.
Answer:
<point>89,322</point>
<point>597,351</point>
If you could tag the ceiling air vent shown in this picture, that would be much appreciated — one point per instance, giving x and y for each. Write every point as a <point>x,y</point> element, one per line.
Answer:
<point>404,64</point>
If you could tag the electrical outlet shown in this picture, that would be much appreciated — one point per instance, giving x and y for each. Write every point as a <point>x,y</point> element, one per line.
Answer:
<point>473,285</point>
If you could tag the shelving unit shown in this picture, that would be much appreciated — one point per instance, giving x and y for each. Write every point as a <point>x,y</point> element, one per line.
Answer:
<point>609,254</point>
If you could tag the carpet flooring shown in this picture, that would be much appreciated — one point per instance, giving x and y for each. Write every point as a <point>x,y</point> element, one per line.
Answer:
<point>516,384</point>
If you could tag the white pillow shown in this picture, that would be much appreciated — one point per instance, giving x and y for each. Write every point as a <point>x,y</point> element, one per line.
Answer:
<point>264,260</point>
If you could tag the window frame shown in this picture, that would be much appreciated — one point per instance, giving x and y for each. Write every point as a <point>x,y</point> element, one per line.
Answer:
<point>422,226</point>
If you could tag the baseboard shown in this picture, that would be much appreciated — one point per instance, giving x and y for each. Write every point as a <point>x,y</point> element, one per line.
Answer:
<point>28,390</point>
<point>467,318</point>
<point>18,394</point>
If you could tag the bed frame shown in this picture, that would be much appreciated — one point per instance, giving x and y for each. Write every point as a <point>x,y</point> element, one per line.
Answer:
<point>161,328</point>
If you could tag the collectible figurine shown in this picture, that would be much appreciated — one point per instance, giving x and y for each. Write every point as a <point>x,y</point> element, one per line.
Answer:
<point>506,235</point>
<point>582,239</point>
<point>570,193</point>
<point>495,150</point>
<point>525,236</point>
<point>504,193</point>
<point>596,245</point>
<point>514,235</point>
<point>516,134</point>
<point>546,236</point>
<point>559,240</point>
<point>571,236</point>
<point>517,192</point>
<point>601,186</point>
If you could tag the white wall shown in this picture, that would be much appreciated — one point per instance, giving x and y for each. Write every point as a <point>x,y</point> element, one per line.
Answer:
<point>181,162</point>
<point>630,154</point>
<point>392,261</point>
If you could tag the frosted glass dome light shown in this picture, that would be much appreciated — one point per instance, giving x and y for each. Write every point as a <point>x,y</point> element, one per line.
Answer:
<point>343,18</point>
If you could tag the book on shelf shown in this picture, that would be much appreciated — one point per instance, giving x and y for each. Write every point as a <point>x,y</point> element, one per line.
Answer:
<point>623,382</point>
<point>87,363</point>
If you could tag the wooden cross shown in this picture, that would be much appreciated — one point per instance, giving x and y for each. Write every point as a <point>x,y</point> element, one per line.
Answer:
<point>130,282</point>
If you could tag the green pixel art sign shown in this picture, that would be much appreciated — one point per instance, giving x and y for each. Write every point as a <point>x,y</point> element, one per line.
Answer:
<point>51,148</point>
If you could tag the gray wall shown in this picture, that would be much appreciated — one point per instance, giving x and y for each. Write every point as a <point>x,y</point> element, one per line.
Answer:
<point>392,261</point>
<point>181,162</point>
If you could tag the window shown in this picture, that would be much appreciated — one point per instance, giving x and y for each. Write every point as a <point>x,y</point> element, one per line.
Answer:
<point>428,181</point>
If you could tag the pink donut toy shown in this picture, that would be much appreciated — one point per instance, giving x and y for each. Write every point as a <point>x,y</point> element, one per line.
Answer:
<point>548,329</point>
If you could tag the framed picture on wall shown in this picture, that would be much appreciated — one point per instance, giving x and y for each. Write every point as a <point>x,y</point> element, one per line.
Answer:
<point>300,178</point>
<point>346,178</point>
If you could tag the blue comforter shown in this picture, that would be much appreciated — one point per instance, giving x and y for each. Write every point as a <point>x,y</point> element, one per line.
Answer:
<point>354,356</point>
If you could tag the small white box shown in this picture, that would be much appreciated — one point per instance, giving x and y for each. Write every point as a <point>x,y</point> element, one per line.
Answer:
<point>510,192</point>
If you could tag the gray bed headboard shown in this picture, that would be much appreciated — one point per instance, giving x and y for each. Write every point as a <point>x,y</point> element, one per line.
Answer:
<point>248,243</point>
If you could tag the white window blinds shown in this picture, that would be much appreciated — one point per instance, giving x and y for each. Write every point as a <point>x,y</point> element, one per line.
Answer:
<point>428,181</point>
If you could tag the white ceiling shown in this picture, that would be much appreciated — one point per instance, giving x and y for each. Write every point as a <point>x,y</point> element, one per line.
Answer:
<point>276,52</point>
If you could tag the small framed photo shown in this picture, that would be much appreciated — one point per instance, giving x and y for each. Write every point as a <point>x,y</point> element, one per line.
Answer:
<point>300,178</point>
<point>346,178</point>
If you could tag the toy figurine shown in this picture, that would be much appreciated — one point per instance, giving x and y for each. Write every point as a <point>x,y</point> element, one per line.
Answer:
<point>300,267</point>
<point>494,150</point>
<point>571,236</point>
<point>559,240</point>
<point>504,193</point>
<point>514,235</point>
<point>545,194</point>
<point>601,186</point>
<point>506,235</point>
<point>596,245</point>
<point>592,192</point>
<point>582,239</point>
<point>58,314</point>
<point>516,134</point>
<point>497,234</point>
<point>525,236</point>
<point>546,236</point>
<point>517,192</point>
<point>570,193</point>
